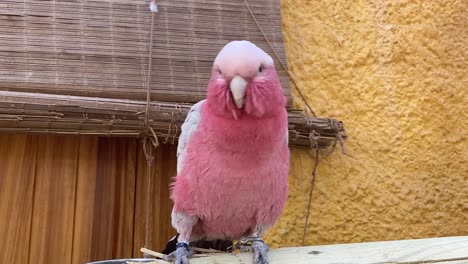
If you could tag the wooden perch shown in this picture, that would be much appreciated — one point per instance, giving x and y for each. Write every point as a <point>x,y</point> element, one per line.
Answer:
<point>152,253</point>
<point>449,250</point>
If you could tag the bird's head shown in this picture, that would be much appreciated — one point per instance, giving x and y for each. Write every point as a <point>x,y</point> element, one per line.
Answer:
<point>244,82</point>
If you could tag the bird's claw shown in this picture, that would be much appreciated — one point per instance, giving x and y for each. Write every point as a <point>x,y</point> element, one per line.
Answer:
<point>255,244</point>
<point>180,255</point>
<point>260,250</point>
<point>244,248</point>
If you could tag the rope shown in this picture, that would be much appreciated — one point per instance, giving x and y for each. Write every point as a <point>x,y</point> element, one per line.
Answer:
<point>336,126</point>
<point>150,134</point>
<point>314,172</point>
<point>150,140</point>
<point>313,134</point>
<point>172,130</point>
<point>279,59</point>
<point>148,195</point>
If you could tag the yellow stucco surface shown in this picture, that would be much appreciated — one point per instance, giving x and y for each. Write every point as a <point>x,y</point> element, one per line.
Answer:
<point>395,73</point>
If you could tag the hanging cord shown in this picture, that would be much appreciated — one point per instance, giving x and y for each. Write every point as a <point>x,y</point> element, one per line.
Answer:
<point>314,173</point>
<point>150,131</point>
<point>312,137</point>
<point>301,94</point>
<point>150,140</point>
<point>339,137</point>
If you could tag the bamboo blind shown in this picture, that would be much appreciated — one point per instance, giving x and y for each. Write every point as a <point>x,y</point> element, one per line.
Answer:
<point>81,66</point>
<point>60,114</point>
<point>100,48</point>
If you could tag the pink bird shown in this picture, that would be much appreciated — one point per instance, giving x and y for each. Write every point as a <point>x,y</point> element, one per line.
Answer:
<point>233,155</point>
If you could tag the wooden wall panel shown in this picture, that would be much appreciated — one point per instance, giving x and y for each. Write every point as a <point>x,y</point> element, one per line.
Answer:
<point>168,164</point>
<point>70,199</point>
<point>114,201</point>
<point>54,200</point>
<point>159,229</point>
<point>85,197</point>
<point>17,165</point>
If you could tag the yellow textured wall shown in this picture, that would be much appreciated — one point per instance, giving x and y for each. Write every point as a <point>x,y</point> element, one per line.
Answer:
<point>395,73</point>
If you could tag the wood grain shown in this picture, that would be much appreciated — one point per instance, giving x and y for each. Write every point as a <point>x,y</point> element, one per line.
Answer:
<point>159,229</point>
<point>85,200</point>
<point>418,251</point>
<point>18,161</point>
<point>78,202</point>
<point>54,200</point>
<point>114,199</point>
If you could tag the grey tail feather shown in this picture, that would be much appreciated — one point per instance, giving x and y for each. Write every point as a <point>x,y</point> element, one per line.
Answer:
<point>171,245</point>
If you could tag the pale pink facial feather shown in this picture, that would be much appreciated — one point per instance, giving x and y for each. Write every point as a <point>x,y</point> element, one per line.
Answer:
<point>265,96</point>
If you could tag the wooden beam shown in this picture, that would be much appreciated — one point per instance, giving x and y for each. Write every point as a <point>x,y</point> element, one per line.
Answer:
<point>448,250</point>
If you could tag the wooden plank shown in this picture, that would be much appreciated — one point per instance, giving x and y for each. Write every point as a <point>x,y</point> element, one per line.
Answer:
<point>114,199</point>
<point>54,200</point>
<point>85,198</point>
<point>18,159</point>
<point>168,165</point>
<point>449,250</point>
<point>158,231</point>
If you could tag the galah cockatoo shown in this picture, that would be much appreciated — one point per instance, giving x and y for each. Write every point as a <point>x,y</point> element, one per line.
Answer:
<point>233,155</point>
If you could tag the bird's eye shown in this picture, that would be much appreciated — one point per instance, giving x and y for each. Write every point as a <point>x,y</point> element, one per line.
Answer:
<point>260,69</point>
<point>219,71</point>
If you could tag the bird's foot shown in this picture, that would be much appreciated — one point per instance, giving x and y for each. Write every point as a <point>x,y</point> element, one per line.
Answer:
<point>180,255</point>
<point>257,245</point>
<point>244,244</point>
<point>260,250</point>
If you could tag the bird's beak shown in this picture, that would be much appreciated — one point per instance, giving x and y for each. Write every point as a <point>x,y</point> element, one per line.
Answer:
<point>238,87</point>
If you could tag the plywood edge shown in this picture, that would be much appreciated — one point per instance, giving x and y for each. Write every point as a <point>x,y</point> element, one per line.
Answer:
<point>449,250</point>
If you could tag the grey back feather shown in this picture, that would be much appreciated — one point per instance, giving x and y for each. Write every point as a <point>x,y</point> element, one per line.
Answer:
<point>189,126</point>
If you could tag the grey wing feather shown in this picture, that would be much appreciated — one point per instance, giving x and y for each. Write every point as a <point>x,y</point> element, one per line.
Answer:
<point>189,126</point>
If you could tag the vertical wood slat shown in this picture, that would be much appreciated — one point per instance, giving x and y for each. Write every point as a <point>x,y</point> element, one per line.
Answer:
<point>168,163</point>
<point>160,205</point>
<point>85,196</point>
<point>112,235</point>
<point>88,200</point>
<point>18,161</point>
<point>54,199</point>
